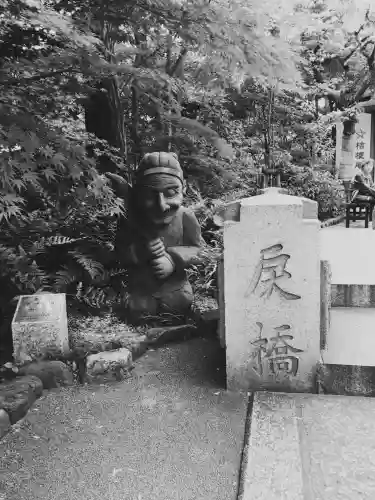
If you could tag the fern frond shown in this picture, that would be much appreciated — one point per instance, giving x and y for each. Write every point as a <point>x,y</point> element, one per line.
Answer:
<point>92,267</point>
<point>97,297</point>
<point>59,240</point>
<point>64,278</point>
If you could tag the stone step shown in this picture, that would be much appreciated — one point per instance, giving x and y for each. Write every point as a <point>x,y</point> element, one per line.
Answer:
<point>303,446</point>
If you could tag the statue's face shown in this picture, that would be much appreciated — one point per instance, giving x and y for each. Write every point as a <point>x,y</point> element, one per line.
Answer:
<point>159,197</point>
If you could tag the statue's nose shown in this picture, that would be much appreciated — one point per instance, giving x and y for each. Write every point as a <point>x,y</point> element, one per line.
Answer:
<point>163,205</point>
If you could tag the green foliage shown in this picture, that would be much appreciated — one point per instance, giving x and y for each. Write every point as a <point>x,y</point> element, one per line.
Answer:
<point>203,276</point>
<point>338,57</point>
<point>70,253</point>
<point>43,145</point>
<point>88,87</point>
<point>319,186</point>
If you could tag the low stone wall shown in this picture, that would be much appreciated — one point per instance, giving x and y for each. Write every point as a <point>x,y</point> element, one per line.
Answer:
<point>353,295</point>
<point>332,222</point>
<point>346,380</point>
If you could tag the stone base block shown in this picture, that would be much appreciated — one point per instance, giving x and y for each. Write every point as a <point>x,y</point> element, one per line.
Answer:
<point>32,341</point>
<point>39,326</point>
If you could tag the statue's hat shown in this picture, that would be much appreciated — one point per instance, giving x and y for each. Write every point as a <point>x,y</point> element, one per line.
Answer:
<point>159,163</point>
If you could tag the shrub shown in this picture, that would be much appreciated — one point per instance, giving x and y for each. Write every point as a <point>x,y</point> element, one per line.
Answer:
<point>70,253</point>
<point>203,275</point>
<point>320,186</point>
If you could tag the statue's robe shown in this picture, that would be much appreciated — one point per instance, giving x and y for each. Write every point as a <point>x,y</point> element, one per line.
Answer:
<point>183,241</point>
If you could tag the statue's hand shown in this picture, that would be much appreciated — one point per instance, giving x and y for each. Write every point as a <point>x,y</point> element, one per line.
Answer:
<point>155,248</point>
<point>163,266</point>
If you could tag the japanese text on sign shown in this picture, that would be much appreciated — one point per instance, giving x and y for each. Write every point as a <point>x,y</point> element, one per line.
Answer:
<point>360,150</point>
<point>36,308</point>
<point>270,269</point>
<point>360,144</point>
<point>276,351</point>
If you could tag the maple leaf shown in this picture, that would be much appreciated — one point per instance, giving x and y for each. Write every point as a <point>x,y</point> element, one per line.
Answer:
<point>58,160</point>
<point>47,151</point>
<point>75,173</point>
<point>49,174</point>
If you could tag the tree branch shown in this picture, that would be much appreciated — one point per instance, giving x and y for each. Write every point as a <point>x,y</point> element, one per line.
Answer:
<point>362,89</point>
<point>361,45</point>
<point>48,74</point>
<point>180,60</point>
<point>371,59</point>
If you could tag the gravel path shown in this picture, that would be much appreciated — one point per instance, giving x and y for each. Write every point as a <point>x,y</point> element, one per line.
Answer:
<point>169,432</point>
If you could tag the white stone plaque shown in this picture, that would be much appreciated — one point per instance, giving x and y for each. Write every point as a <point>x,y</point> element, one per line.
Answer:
<point>40,325</point>
<point>363,137</point>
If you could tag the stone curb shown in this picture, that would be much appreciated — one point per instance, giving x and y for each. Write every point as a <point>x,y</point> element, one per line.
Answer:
<point>346,380</point>
<point>332,222</point>
<point>16,398</point>
<point>161,336</point>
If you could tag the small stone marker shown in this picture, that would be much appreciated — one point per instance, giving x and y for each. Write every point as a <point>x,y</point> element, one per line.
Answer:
<point>111,362</point>
<point>40,325</point>
<point>272,294</point>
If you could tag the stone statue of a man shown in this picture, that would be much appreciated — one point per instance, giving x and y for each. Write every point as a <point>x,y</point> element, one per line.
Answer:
<point>159,239</point>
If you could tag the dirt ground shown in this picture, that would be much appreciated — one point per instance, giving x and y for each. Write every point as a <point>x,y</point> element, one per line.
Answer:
<point>169,432</point>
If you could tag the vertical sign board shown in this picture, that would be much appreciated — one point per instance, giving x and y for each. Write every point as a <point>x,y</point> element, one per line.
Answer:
<point>363,137</point>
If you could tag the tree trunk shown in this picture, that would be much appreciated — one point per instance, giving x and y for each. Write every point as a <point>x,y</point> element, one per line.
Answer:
<point>104,118</point>
<point>346,160</point>
<point>135,121</point>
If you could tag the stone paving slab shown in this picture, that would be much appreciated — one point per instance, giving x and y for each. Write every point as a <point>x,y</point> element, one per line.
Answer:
<point>310,447</point>
<point>273,469</point>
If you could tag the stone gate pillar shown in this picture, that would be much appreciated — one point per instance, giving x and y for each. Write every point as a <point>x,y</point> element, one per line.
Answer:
<point>272,293</point>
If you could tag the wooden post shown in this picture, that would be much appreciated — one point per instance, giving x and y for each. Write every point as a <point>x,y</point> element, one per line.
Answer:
<point>220,284</point>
